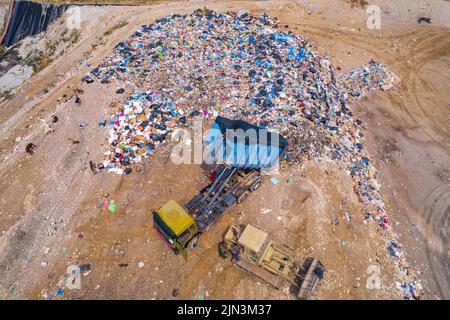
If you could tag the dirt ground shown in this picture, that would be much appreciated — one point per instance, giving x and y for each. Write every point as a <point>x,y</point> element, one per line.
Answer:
<point>50,205</point>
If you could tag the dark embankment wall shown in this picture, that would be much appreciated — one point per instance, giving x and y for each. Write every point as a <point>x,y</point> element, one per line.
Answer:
<point>29,19</point>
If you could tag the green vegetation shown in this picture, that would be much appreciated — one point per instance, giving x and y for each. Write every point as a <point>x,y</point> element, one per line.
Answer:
<point>50,48</point>
<point>101,40</point>
<point>119,25</point>
<point>38,61</point>
<point>64,33</point>
<point>74,36</point>
<point>358,3</point>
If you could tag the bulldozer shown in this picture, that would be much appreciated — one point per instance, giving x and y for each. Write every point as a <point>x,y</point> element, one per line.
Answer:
<point>252,250</point>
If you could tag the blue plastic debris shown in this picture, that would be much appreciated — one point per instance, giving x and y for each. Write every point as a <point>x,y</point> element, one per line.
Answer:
<point>274,181</point>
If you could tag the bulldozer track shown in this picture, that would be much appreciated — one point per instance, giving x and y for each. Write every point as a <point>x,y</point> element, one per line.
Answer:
<point>204,258</point>
<point>205,261</point>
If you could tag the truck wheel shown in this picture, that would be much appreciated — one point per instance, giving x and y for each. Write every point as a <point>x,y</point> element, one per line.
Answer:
<point>242,197</point>
<point>255,186</point>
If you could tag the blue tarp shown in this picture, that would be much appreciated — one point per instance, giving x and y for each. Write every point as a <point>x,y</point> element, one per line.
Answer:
<point>240,144</point>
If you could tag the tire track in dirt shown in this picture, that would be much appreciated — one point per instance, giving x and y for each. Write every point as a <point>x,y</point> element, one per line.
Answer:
<point>437,225</point>
<point>432,117</point>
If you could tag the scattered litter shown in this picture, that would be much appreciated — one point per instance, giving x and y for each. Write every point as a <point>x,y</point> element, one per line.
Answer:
<point>30,148</point>
<point>73,141</point>
<point>12,289</point>
<point>46,127</point>
<point>104,194</point>
<point>347,215</point>
<point>274,181</point>
<point>85,267</point>
<point>265,210</point>
<point>59,292</point>
<point>424,20</point>
<point>335,220</point>
<point>141,264</point>
<point>360,82</point>
<point>87,79</point>
<point>112,206</point>
<point>394,249</point>
<point>219,268</point>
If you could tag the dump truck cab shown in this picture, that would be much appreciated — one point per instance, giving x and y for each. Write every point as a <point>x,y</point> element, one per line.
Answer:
<point>175,226</point>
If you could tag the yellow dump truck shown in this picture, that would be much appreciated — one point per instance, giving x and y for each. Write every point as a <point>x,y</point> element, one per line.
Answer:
<point>179,226</point>
<point>175,226</point>
<point>252,250</point>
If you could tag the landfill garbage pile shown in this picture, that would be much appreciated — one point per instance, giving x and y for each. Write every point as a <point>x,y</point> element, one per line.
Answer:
<point>194,67</point>
<point>138,127</point>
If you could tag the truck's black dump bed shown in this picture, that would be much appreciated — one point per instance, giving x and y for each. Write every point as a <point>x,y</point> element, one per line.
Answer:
<point>243,145</point>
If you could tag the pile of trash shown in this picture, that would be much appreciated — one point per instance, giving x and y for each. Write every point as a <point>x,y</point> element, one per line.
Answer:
<point>137,127</point>
<point>238,66</point>
<point>187,67</point>
<point>366,79</point>
<point>408,282</point>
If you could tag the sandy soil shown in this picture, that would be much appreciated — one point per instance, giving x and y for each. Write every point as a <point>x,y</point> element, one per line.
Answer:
<point>50,216</point>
